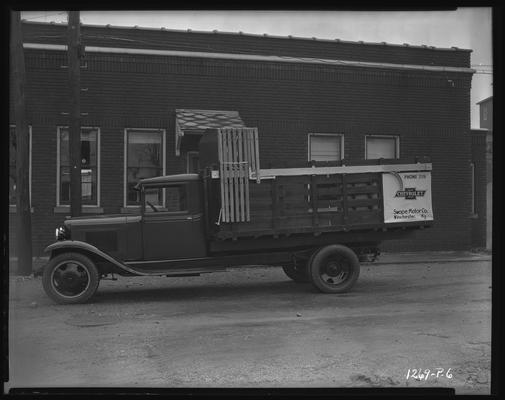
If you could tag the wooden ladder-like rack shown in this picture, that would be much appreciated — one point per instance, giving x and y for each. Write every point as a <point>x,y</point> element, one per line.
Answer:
<point>238,159</point>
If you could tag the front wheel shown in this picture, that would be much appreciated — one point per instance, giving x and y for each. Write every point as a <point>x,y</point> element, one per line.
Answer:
<point>70,278</point>
<point>334,269</point>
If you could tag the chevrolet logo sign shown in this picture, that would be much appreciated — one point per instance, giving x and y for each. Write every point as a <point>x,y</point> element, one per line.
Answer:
<point>410,193</point>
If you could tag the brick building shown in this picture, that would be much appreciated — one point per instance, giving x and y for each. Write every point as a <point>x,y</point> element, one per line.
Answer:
<point>149,93</point>
<point>482,164</point>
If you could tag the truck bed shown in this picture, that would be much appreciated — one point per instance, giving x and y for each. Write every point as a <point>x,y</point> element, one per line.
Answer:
<point>295,204</point>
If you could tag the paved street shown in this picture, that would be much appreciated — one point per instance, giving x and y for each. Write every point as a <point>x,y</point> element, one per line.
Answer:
<point>256,328</point>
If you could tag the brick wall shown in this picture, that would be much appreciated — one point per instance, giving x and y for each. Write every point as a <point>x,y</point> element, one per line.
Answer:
<point>286,102</point>
<point>480,163</point>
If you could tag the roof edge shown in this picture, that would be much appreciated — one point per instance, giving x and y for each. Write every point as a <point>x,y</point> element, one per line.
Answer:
<point>252,57</point>
<point>262,35</point>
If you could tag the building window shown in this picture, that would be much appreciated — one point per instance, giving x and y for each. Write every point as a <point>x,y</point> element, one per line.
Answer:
<point>12,164</point>
<point>326,147</point>
<point>382,147</point>
<point>90,164</point>
<point>484,113</point>
<point>472,179</point>
<point>145,158</point>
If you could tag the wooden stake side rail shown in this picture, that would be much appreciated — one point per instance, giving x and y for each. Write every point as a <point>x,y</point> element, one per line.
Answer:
<point>351,169</point>
<point>315,203</point>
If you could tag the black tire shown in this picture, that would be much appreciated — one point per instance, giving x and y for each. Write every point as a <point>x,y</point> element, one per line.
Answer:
<point>334,269</point>
<point>298,274</point>
<point>70,278</point>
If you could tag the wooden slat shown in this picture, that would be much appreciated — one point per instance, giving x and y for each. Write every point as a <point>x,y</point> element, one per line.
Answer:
<point>221,172</point>
<point>355,169</point>
<point>256,155</point>
<point>313,201</point>
<point>362,202</point>
<point>230,179</point>
<point>249,141</point>
<point>226,176</point>
<point>343,179</point>
<point>369,189</point>
<point>241,174</point>
<point>234,165</point>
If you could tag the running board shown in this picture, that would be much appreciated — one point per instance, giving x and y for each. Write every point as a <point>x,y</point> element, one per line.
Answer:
<point>170,272</point>
<point>196,266</point>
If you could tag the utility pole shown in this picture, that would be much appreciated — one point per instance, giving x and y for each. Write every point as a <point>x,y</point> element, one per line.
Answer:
<point>74,69</point>
<point>24,218</point>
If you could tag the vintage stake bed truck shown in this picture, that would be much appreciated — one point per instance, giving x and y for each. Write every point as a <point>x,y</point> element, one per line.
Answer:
<point>317,222</point>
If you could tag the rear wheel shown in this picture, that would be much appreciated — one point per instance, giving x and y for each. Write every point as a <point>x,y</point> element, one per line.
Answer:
<point>70,278</point>
<point>334,269</point>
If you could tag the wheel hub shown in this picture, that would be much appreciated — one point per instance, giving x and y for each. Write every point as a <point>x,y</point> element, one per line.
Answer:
<point>333,268</point>
<point>70,279</point>
<point>334,272</point>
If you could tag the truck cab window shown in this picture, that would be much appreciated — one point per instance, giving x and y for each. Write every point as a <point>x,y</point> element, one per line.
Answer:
<point>175,199</point>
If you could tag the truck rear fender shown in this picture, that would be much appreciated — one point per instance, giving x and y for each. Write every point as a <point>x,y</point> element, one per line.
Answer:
<point>90,250</point>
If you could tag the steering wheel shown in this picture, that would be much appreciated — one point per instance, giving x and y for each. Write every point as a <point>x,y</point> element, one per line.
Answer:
<point>150,205</point>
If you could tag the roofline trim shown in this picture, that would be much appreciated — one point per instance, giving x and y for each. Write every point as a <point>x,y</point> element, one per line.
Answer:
<point>264,35</point>
<point>250,57</point>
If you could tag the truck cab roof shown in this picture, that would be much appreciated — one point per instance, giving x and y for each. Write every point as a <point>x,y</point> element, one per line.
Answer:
<point>167,179</point>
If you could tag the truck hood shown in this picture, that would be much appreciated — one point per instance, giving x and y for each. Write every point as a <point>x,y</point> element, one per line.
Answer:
<point>105,219</point>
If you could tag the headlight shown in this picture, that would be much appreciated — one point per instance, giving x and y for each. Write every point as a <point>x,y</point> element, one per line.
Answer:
<point>61,233</point>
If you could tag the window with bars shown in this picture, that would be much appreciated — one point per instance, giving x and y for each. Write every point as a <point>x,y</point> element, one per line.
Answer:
<point>89,166</point>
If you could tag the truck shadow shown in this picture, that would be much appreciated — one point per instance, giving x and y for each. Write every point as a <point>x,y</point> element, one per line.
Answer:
<point>253,290</point>
<point>203,292</point>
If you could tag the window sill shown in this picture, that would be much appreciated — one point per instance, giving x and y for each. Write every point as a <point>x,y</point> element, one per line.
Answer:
<point>13,209</point>
<point>85,210</point>
<point>130,210</point>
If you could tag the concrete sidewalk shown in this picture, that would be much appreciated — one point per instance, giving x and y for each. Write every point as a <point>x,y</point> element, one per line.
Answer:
<point>432,256</point>
<point>383,259</point>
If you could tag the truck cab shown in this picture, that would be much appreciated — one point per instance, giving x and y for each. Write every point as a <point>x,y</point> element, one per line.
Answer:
<point>172,220</point>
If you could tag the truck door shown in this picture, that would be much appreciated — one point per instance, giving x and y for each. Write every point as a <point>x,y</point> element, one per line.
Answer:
<point>172,222</point>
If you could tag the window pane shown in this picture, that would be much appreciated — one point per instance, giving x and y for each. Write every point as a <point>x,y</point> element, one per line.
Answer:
<point>64,148</point>
<point>89,151</point>
<point>380,147</point>
<point>176,198</point>
<point>192,165</point>
<point>64,185</point>
<point>144,160</point>
<point>325,148</point>
<point>88,148</point>
<point>88,186</point>
<point>155,197</point>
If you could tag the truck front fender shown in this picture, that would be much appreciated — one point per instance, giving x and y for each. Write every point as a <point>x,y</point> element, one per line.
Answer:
<point>83,247</point>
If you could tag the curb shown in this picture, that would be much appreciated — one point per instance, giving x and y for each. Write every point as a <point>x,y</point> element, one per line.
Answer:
<point>441,260</point>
